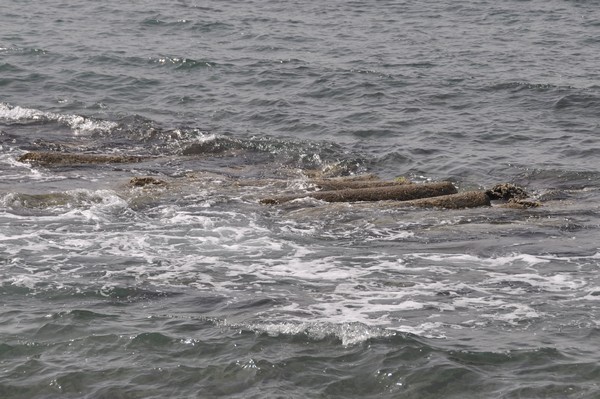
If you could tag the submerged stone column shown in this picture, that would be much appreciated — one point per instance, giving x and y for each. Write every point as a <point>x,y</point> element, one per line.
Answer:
<point>404,192</point>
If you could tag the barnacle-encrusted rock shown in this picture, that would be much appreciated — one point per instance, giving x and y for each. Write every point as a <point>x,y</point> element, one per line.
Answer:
<point>513,196</point>
<point>506,191</point>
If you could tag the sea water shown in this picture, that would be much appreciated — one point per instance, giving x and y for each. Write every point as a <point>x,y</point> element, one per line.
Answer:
<point>195,289</point>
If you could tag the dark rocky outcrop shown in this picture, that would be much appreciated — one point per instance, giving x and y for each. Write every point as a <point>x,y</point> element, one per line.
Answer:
<point>62,159</point>
<point>506,191</point>
<point>516,203</point>
<point>209,147</point>
<point>146,181</point>
<point>512,196</point>
<point>358,188</point>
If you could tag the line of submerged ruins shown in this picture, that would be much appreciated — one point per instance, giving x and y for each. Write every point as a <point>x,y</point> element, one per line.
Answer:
<point>360,188</point>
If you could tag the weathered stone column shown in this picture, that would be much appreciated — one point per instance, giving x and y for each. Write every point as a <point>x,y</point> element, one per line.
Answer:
<point>405,192</point>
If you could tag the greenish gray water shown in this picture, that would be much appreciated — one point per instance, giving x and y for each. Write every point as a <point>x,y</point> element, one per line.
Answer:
<point>195,289</point>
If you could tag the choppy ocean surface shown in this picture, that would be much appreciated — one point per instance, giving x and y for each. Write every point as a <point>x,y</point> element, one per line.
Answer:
<point>195,289</point>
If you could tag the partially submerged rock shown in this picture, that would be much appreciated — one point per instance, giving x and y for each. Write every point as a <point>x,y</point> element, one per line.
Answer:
<point>336,172</point>
<point>341,184</point>
<point>146,181</point>
<point>40,201</point>
<point>441,195</point>
<point>213,147</point>
<point>512,196</point>
<point>506,191</point>
<point>62,158</point>
<point>467,199</point>
<point>405,192</point>
<point>360,188</point>
<point>515,203</point>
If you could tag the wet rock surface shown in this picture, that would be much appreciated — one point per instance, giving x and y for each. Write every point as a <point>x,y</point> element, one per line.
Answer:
<point>506,191</point>
<point>516,203</point>
<point>60,159</point>
<point>146,181</point>
<point>308,184</point>
<point>341,184</point>
<point>404,192</point>
<point>468,199</point>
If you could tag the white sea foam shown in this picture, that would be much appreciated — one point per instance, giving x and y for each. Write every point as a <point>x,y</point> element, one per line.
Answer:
<point>205,138</point>
<point>352,294</point>
<point>390,234</point>
<point>18,168</point>
<point>527,259</point>
<point>79,124</point>
<point>514,314</point>
<point>593,294</point>
<point>561,282</point>
<point>354,299</point>
<point>348,333</point>
<point>176,216</point>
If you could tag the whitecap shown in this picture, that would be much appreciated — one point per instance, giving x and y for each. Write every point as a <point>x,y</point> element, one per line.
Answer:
<point>529,260</point>
<point>348,333</point>
<point>79,124</point>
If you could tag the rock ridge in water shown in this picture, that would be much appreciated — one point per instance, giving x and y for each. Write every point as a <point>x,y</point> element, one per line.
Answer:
<point>402,192</point>
<point>44,158</point>
<point>467,199</point>
<point>359,188</point>
<point>146,181</point>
